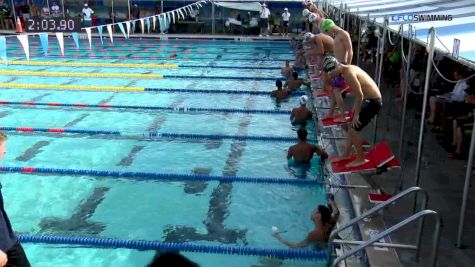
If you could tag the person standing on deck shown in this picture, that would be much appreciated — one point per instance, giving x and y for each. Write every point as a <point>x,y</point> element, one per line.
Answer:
<point>264,22</point>
<point>11,251</point>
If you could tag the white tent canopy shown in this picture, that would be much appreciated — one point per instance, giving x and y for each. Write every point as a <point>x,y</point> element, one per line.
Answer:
<point>461,26</point>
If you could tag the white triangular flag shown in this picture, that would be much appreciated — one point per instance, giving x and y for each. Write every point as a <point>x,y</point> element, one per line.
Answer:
<point>88,31</point>
<point>173,16</point>
<point>181,13</point>
<point>109,29</point>
<point>24,43</point>
<point>142,26</point>
<point>154,18</point>
<point>127,25</point>
<point>60,37</point>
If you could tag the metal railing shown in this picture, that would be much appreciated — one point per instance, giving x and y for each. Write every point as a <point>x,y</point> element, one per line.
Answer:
<point>375,209</point>
<point>418,216</point>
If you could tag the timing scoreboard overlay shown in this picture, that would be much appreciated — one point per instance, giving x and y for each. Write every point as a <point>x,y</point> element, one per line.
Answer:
<point>53,25</point>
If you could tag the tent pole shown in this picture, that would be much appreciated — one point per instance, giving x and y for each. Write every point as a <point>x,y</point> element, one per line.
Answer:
<point>468,175</point>
<point>359,39</point>
<point>404,106</point>
<point>379,70</point>
<point>424,107</point>
<point>213,22</point>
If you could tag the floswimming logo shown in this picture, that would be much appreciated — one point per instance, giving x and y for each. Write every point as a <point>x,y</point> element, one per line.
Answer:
<point>419,18</point>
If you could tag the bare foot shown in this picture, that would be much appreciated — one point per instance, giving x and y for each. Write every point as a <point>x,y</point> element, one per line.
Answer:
<point>356,163</point>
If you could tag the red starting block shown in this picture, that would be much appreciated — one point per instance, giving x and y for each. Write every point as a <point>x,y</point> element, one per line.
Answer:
<point>338,119</point>
<point>320,93</point>
<point>378,157</point>
<point>378,198</point>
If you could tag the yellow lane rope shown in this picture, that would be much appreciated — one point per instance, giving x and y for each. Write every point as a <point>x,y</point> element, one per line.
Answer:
<point>80,74</point>
<point>94,64</point>
<point>70,87</point>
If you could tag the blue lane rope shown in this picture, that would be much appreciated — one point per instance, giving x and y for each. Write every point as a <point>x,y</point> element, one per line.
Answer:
<point>217,91</point>
<point>301,254</point>
<point>156,134</point>
<point>176,109</point>
<point>151,176</point>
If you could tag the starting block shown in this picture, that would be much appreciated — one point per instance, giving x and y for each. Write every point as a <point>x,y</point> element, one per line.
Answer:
<point>378,198</point>
<point>338,119</point>
<point>321,93</point>
<point>380,158</point>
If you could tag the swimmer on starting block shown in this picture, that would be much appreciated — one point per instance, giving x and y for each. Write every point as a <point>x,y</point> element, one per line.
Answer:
<point>368,102</point>
<point>344,54</point>
<point>303,151</point>
<point>318,45</point>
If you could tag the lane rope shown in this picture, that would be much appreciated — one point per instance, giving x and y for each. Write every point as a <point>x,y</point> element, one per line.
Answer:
<point>93,64</point>
<point>302,254</point>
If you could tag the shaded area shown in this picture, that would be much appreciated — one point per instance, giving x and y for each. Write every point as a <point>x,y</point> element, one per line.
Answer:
<point>33,151</point>
<point>3,114</point>
<point>107,100</point>
<point>127,161</point>
<point>157,123</point>
<point>197,187</point>
<point>78,222</point>
<point>213,144</point>
<point>76,121</point>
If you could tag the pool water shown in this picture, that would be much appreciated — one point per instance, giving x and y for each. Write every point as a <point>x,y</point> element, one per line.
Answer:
<point>200,212</point>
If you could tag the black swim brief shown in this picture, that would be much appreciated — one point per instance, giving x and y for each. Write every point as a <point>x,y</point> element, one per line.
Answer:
<point>370,108</point>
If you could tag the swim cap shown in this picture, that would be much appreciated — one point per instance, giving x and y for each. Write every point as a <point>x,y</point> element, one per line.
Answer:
<point>308,36</point>
<point>305,12</point>
<point>329,64</point>
<point>312,17</point>
<point>303,100</point>
<point>327,25</point>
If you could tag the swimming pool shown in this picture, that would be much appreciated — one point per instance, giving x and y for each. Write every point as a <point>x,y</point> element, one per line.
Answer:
<point>206,212</point>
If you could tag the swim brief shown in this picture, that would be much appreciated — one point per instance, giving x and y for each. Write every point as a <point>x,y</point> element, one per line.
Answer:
<point>339,82</point>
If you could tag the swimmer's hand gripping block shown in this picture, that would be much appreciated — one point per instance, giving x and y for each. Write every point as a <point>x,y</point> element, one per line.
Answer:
<point>379,158</point>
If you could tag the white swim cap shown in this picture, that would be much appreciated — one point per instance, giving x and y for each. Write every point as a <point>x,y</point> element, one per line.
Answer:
<point>308,36</point>
<point>305,12</point>
<point>312,17</point>
<point>303,100</point>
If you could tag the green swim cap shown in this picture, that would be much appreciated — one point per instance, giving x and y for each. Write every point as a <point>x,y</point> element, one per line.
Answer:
<point>327,24</point>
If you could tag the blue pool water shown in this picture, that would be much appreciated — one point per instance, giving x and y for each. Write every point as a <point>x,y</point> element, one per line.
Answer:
<point>199,212</point>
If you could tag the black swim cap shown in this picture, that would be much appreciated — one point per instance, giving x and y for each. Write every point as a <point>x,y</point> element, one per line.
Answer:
<point>329,64</point>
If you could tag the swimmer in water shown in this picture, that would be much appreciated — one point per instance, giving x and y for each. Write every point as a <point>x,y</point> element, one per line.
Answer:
<point>286,71</point>
<point>295,83</point>
<point>280,93</point>
<point>303,151</point>
<point>300,115</point>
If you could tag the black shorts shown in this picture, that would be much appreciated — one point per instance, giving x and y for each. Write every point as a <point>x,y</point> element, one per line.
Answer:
<point>264,23</point>
<point>286,24</point>
<point>370,108</point>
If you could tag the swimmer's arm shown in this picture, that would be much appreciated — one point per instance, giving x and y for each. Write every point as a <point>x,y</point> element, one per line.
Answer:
<point>290,244</point>
<point>335,211</point>
<point>357,91</point>
<point>292,116</point>
<point>289,153</point>
<point>348,48</point>
<point>322,153</point>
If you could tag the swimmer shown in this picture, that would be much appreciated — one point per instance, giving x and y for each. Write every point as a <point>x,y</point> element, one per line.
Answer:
<point>368,102</point>
<point>316,21</point>
<point>295,83</point>
<point>280,93</point>
<point>301,114</point>
<point>324,219</point>
<point>318,45</point>
<point>303,151</point>
<point>286,71</point>
<point>313,8</point>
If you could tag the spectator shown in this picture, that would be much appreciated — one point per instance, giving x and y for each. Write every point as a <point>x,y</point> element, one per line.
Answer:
<point>87,12</point>
<point>264,22</point>
<point>35,10</point>
<point>449,103</point>
<point>55,10</point>
<point>24,11</point>
<point>135,12</point>
<point>6,16</point>
<point>416,71</point>
<point>276,21</point>
<point>45,11</point>
<point>11,251</point>
<point>463,121</point>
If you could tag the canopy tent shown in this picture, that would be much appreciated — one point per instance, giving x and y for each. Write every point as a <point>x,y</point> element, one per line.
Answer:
<point>248,6</point>
<point>461,25</point>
